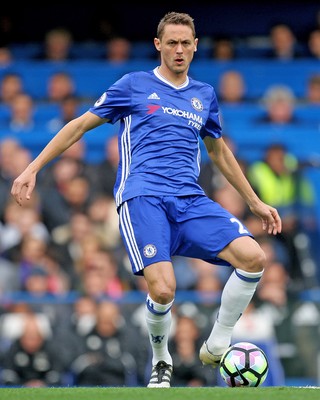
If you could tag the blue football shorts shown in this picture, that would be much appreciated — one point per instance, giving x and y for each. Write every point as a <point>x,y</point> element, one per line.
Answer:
<point>154,229</point>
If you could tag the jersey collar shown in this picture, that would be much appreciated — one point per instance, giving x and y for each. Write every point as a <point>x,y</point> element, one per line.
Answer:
<point>159,76</point>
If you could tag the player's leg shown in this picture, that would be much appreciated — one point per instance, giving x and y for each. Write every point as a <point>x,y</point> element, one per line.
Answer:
<point>211,233</point>
<point>146,235</point>
<point>161,284</point>
<point>248,260</point>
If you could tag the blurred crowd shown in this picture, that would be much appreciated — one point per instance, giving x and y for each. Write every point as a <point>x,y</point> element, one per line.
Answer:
<point>71,311</point>
<point>281,42</point>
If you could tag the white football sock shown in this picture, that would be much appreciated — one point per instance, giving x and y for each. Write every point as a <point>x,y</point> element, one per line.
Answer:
<point>236,295</point>
<point>158,318</point>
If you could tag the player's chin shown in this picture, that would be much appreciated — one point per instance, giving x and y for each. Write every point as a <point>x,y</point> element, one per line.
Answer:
<point>180,67</point>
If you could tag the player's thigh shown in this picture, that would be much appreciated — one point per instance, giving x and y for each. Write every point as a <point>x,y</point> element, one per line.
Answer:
<point>207,228</point>
<point>244,253</point>
<point>145,231</point>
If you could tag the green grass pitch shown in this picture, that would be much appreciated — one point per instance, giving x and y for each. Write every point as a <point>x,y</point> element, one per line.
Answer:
<point>215,393</point>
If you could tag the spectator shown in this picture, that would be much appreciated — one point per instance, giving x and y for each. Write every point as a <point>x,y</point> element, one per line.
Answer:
<point>28,254</point>
<point>73,241</point>
<point>21,115</point>
<point>313,90</point>
<point>277,179</point>
<point>104,358</point>
<point>70,164</point>
<point>33,360</point>
<point>102,212</point>
<point>80,320</point>
<point>11,324</point>
<point>84,315</point>
<point>70,193</point>
<point>77,194</point>
<point>232,88</point>
<point>223,49</point>
<point>284,44</point>
<point>184,348</point>
<point>57,45</point>
<point>43,282</point>
<point>105,172</point>
<point>280,106</point>
<point>118,49</point>
<point>40,276</point>
<point>99,276</point>
<point>11,85</point>
<point>69,109</point>
<point>60,86</point>
<point>314,44</point>
<point>6,57</point>
<point>304,320</point>
<point>19,222</point>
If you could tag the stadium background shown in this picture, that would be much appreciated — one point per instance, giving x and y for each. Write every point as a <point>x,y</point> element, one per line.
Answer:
<point>238,20</point>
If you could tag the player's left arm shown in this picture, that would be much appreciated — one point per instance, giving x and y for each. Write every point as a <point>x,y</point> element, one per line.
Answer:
<point>225,160</point>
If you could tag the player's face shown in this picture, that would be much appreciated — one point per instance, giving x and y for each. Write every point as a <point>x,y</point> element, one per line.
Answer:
<point>177,47</point>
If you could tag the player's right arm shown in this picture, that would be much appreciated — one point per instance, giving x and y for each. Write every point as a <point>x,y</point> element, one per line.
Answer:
<point>66,137</point>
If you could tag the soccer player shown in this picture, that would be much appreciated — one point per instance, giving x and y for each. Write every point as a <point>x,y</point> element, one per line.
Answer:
<point>162,210</point>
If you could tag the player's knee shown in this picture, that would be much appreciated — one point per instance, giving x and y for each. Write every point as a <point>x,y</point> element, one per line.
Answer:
<point>163,294</point>
<point>255,262</point>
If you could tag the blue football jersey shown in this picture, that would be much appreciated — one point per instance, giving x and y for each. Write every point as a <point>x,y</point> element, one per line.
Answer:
<point>160,129</point>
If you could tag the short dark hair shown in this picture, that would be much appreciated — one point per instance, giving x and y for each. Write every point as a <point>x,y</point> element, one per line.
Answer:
<point>175,18</point>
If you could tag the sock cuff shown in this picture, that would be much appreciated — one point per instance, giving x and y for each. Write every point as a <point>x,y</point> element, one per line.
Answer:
<point>157,308</point>
<point>248,276</point>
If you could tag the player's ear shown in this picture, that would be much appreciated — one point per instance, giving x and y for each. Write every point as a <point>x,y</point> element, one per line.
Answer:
<point>156,42</point>
<point>196,45</point>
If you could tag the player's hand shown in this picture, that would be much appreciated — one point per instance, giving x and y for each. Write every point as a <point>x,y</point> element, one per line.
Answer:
<point>23,186</point>
<point>271,221</point>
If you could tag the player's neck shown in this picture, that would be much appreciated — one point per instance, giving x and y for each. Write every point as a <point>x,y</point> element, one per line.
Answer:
<point>175,79</point>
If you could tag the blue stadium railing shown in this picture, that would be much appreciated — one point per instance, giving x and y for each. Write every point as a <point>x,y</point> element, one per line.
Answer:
<point>93,76</point>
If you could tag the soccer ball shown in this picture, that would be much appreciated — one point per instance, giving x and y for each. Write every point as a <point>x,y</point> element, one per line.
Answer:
<point>244,364</point>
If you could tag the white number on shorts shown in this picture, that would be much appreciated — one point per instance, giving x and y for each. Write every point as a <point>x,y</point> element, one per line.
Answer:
<point>242,229</point>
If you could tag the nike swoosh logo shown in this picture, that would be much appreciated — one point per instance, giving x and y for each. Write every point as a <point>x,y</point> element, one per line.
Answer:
<point>245,382</point>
